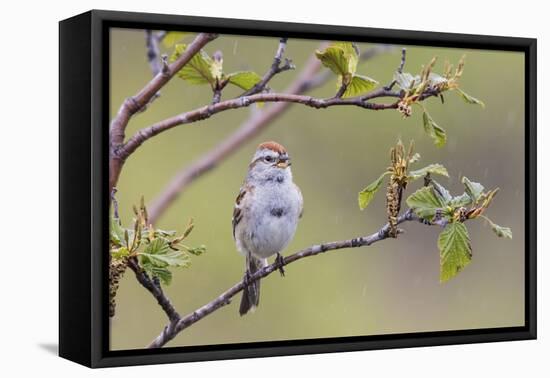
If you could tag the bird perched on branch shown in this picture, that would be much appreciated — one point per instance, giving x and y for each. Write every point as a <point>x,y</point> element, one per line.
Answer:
<point>265,215</point>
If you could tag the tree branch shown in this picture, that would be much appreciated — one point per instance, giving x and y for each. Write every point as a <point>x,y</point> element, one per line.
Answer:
<point>157,62</point>
<point>133,104</point>
<point>207,111</point>
<point>152,41</point>
<point>399,69</point>
<point>173,328</point>
<point>273,70</point>
<point>308,79</point>
<point>155,289</point>
<point>341,91</point>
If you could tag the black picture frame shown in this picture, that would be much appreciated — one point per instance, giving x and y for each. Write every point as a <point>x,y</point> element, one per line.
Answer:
<point>84,197</point>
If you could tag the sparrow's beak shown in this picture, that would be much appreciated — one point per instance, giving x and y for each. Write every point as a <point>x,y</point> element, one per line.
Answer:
<point>283,163</point>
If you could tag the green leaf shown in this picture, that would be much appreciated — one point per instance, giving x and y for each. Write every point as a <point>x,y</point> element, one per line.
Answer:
<point>441,192</point>
<point>352,54</point>
<point>437,169</point>
<point>164,233</point>
<point>500,231</point>
<point>158,246</point>
<point>414,158</point>
<point>199,70</point>
<point>116,232</point>
<point>217,69</point>
<point>172,258</point>
<point>460,201</point>
<point>159,253</point>
<point>455,250</point>
<point>470,99</point>
<point>359,84</point>
<point>405,80</point>
<point>171,38</point>
<point>425,203</point>
<point>436,132</point>
<point>474,189</point>
<point>245,80</point>
<point>341,58</point>
<point>163,274</point>
<point>197,251</point>
<point>120,253</point>
<point>366,195</point>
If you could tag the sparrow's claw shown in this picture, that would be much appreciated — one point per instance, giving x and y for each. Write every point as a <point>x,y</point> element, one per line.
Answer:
<point>246,278</point>
<point>280,262</point>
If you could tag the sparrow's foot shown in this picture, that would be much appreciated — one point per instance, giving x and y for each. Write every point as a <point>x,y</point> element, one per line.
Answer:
<point>246,278</point>
<point>280,262</point>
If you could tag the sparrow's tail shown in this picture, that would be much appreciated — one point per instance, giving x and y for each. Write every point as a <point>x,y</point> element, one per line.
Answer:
<point>251,292</point>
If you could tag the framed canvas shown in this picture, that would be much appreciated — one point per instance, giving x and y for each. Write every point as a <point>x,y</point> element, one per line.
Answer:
<point>379,184</point>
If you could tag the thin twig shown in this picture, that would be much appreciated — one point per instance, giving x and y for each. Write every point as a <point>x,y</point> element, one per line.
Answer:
<point>220,85</point>
<point>275,69</point>
<point>152,41</point>
<point>133,104</point>
<point>341,90</point>
<point>115,204</point>
<point>157,62</point>
<point>155,290</point>
<point>403,57</point>
<point>399,69</point>
<point>217,95</point>
<point>172,329</point>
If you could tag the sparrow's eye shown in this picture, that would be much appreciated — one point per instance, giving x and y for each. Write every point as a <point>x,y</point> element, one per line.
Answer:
<point>268,159</point>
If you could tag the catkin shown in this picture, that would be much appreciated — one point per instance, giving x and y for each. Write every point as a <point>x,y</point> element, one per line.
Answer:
<point>393,200</point>
<point>116,272</point>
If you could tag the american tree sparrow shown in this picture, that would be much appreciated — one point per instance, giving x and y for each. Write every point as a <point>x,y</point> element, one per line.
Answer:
<point>266,214</point>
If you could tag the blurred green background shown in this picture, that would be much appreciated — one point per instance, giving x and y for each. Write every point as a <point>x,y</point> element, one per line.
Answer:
<point>390,287</point>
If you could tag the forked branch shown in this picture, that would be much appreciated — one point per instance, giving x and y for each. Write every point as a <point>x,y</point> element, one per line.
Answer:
<point>137,102</point>
<point>176,326</point>
<point>155,289</point>
<point>209,110</point>
<point>275,68</point>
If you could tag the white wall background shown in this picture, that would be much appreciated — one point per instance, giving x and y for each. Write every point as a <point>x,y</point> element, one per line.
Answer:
<point>28,162</point>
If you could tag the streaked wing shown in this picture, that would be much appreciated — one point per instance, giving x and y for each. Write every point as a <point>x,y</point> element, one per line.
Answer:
<point>301,200</point>
<point>238,209</point>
